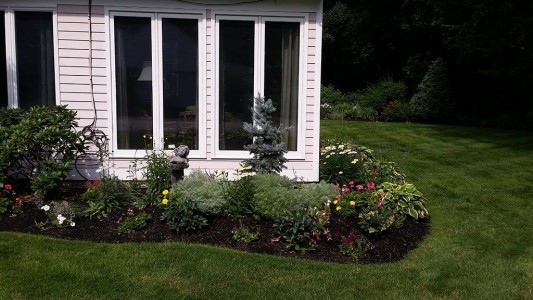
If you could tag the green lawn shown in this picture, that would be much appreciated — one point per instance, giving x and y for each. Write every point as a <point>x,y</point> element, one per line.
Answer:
<point>479,183</point>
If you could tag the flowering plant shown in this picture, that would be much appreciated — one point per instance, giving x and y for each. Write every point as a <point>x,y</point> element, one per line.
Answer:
<point>9,202</point>
<point>339,162</point>
<point>354,245</point>
<point>59,213</point>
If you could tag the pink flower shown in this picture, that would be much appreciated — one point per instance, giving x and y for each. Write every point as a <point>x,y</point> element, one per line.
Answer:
<point>19,201</point>
<point>8,187</point>
<point>371,185</point>
<point>338,197</point>
<point>359,187</point>
<point>352,183</point>
<point>345,190</point>
<point>381,196</point>
<point>337,186</point>
<point>380,204</point>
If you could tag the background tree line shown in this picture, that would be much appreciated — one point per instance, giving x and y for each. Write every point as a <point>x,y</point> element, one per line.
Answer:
<point>457,61</point>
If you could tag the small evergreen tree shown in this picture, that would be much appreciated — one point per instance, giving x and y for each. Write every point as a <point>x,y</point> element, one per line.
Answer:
<point>432,101</point>
<point>267,147</point>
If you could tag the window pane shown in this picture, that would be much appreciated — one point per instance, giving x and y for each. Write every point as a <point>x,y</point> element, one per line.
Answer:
<point>133,70</point>
<point>3,67</point>
<point>236,82</point>
<point>180,82</point>
<point>282,44</point>
<point>35,58</point>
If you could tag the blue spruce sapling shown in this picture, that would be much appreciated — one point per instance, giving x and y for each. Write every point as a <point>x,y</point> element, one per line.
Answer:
<point>267,147</point>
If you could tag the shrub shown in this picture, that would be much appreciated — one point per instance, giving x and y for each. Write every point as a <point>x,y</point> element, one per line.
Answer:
<point>330,95</point>
<point>363,113</point>
<point>182,214</point>
<point>301,228</point>
<point>377,96</point>
<point>39,144</point>
<point>274,196</point>
<point>432,100</point>
<point>157,174</point>
<point>207,193</point>
<point>8,200</point>
<point>343,110</point>
<point>104,195</point>
<point>240,197</point>
<point>396,111</point>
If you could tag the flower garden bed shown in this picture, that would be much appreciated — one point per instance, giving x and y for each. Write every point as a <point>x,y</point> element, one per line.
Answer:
<point>387,247</point>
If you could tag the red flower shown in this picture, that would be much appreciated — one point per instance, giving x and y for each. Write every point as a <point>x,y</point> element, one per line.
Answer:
<point>8,187</point>
<point>381,196</point>
<point>380,204</point>
<point>370,186</point>
<point>19,201</point>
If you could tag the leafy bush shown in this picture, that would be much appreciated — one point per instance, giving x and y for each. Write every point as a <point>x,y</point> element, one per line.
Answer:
<point>330,95</point>
<point>182,214</point>
<point>207,193</point>
<point>133,223</point>
<point>274,196</point>
<point>377,96</point>
<point>432,100</point>
<point>39,144</point>
<point>396,111</point>
<point>301,228</point>
<point>157,174</point>
<point>8,200</point>
<point>240,197</point>
<point>105,195</point>
<point>362,113</point>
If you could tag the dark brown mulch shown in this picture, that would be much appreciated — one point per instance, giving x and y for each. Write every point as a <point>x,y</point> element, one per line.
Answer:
<point>389,247</point>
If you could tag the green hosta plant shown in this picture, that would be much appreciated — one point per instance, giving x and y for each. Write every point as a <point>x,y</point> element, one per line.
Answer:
<point>301,229</point>
<point>408,200</point>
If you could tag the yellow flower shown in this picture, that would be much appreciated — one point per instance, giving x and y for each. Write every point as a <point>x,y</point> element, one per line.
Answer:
<point>165,201</point>
<point>335,202</point>
<point>165,192</point>
<point>338,208</point>
<point>352,203</point>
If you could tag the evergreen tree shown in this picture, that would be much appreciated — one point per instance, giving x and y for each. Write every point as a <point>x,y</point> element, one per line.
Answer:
<point>267,147</point>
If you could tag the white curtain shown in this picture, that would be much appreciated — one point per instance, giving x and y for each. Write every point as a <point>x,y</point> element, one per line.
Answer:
<point>289,84</point>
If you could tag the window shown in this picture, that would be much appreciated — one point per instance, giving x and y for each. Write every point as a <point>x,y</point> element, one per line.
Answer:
<point>29,78</point>
<point>257,56</point>
<point>156,81</point>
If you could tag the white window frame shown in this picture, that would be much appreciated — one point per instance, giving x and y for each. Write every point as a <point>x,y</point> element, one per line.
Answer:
<point>11,49</point>
<point>259,75</point>
<point>157,75</point>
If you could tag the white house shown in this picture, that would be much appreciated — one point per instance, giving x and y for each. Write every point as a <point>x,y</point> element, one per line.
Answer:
<point>159,73</point>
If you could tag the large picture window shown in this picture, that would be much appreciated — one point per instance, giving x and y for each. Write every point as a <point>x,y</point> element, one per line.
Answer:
<point>156,81</point>
<point>29,79</point>
<point>257,56</point>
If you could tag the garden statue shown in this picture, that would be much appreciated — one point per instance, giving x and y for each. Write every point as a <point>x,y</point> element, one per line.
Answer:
<point>177,162</point>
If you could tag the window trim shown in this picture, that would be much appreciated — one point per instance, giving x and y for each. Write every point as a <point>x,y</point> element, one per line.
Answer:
<point>11,50</point>
<point>157,73</point>
<point>259,74</point>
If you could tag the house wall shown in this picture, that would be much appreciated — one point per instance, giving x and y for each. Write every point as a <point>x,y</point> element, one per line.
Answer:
<point>75,74</point>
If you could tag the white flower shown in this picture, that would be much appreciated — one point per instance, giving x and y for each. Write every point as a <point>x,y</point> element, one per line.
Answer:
<point>45,207</point>
<point>341,146</point>
<point>72,224</point>
<point>328,156</point>
<point>60,219</point>
<point>340,172</point>
<point>355,161</point>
